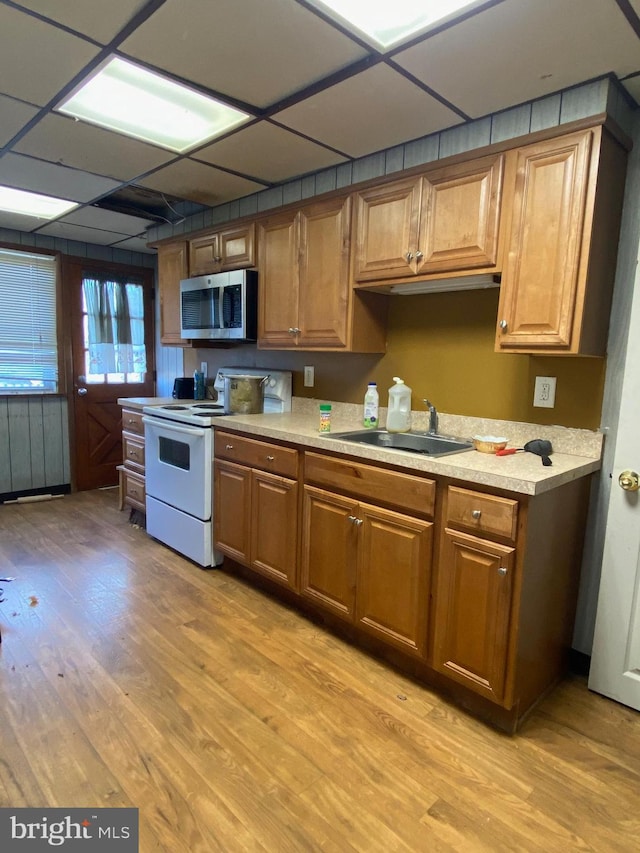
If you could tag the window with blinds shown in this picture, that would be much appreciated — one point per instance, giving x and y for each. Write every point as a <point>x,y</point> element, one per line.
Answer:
<point>28,339</point>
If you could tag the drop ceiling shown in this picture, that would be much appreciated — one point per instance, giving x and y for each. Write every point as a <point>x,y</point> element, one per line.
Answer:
<point>318,95</point>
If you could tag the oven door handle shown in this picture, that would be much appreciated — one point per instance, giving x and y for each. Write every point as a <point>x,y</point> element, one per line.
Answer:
<point>161,423</point>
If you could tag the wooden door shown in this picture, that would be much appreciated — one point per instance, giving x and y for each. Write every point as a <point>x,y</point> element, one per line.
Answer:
<point>94,410</point>
<point>542,265</point>
<point>274,527</point>
<point>204,255</point>
<point>237,246</point>
<point>278,281</point>
<point>324,288</point>
<point>394,575</point>
<point>387,219</point>
<point>172,268</point>
<point>471,613</point>
<point>329,551</point>
<point>460,216</point>
<point>232,510</point>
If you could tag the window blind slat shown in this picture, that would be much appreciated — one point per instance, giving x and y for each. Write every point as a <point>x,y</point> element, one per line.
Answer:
<point>28,339</point>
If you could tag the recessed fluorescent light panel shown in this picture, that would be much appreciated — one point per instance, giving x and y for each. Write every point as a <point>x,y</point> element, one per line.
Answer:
<point>128,99</point>
<point>33,204</point>
<point>387,24</point>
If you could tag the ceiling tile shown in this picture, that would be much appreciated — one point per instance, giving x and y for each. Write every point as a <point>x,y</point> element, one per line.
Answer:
<point>101,21</point>
<point>19,222</point>
<point>67,231</point>
<point>37,72</point>
<point>83,146</point>
<point>13,117</point>
<point>519,50</point>
<point>270,152</point>
<point>199,182</point>
<point>109,220</point>
<point>254,51</point>
<point>373,110</point>
<point>38,176</point>
<point>135,244</point>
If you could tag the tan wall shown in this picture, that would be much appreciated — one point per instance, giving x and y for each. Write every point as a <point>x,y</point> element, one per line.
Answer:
<point>441,344</point>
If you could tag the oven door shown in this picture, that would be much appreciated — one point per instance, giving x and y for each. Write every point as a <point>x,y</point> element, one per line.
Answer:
<point>178,465</point>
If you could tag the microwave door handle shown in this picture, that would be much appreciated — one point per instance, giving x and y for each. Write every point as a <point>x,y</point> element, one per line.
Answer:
<point>225,321</point>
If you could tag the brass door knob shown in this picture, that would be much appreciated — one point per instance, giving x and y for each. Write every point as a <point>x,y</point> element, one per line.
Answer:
<point>629,481</point>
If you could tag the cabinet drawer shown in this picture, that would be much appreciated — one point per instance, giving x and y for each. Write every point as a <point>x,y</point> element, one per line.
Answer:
<point>133,451</point>
<point>257,454</point>
<point>133,488</point>
<point>132,421</point>
<point>367,482</point>
<point>482,513</point>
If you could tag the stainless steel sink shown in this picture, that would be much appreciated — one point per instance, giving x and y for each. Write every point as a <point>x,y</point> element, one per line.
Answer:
<point>414,442</point>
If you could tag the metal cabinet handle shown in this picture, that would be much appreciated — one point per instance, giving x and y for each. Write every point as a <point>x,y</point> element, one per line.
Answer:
<point>502,571</point>
<point>503,325</point>
<point>228,447</point>
<point>419,255</point>
<point>294,330</point>
<point>476,513</point>
<point>409,255</point>
<point>354,520</point>
<point>82,392</point>
<point>270,458</point>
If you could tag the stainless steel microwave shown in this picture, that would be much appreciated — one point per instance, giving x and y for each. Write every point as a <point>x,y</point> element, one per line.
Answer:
<point>221,306</point>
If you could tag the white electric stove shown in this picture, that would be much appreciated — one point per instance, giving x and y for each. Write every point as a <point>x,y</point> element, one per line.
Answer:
<point>179,464</point>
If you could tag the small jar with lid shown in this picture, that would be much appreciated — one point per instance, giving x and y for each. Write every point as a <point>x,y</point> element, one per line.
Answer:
<point>325,417</point>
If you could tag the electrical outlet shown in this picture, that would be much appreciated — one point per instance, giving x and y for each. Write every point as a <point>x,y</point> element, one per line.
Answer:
<point>203,368</point>
<point>309,377</point>
<point>544,395</point>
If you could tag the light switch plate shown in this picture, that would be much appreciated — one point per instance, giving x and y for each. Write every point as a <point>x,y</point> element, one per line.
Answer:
<point>544,395</point>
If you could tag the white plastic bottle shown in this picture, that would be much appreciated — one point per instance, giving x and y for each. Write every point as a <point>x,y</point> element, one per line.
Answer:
<point>399,412</point>
<point>371,402</point>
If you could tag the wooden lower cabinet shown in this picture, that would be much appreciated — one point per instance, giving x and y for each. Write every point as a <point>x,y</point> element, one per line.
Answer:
<point>132,470</point>
<point>256,511</point>
<point>470,589</point>
<point>471,616</point>
<point>368,565</point>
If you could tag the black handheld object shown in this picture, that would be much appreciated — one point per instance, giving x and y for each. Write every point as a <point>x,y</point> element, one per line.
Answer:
<point>541,447</point>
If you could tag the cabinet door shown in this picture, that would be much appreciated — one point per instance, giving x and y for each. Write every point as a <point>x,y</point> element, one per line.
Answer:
<point>279,281</point>
<point>329,551</point>
<point>387,220</point>
<point>460,217</point>
<point>204,255</point>
<point>394,572</point>
<point>274,527</point>
<point>323,304</point>
<point>541,273</point>
<point>172,268</point>
<point>237,247</point>
<point>471,612</point>
<point>232,510</point>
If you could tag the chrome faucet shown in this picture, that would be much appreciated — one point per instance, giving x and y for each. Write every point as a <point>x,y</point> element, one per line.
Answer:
<point>433,417</point>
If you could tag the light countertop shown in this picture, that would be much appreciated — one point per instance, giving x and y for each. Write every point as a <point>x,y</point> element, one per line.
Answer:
<point>522,472</point>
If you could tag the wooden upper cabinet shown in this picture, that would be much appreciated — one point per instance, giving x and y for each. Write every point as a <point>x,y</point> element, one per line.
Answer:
<point>305,298</point>
<point>441,222</point>
<point>387,220</point>
<point>561,245</point>
<point>172,268</point>
<point>278,280</point>
<point>229,249</point>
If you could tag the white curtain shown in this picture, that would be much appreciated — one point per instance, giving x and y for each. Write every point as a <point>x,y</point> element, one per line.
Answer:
<point>115,326</point>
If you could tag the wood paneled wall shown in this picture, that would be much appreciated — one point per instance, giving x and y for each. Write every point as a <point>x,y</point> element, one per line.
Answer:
<point>34,443</point>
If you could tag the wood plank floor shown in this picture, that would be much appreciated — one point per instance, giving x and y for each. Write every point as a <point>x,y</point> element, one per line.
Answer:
<point>134,678</point>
